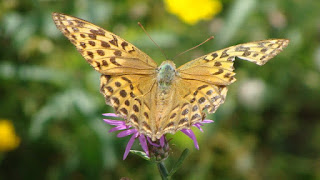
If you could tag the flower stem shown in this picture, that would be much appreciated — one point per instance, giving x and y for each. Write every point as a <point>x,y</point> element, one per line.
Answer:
<point>165,175</point>
<point>178,164</point>
<point>162,170</point>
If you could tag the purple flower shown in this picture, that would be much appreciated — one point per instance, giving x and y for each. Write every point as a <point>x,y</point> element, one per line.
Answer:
<point>145,142</point>
<point>190,133</point>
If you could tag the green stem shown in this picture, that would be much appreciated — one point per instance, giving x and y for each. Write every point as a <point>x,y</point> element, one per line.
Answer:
<point>178,164</point>
<point>162,170</point>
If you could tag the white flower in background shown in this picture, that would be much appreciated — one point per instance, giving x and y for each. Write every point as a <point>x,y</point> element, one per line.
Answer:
<point>251,93</point>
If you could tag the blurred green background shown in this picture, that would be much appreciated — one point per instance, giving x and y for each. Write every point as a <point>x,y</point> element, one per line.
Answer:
<point>268,128</point>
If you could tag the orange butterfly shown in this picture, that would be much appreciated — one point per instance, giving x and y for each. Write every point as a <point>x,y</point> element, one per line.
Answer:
<point>159,99</point>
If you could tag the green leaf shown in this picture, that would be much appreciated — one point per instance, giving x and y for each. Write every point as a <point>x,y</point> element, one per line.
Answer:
<point>163,171</point>
<point>141,154</point>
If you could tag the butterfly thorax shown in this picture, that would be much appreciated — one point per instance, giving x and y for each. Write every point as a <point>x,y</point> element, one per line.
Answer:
<point>166,74</point>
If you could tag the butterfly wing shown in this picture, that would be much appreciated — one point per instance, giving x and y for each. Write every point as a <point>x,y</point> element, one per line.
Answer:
<point>202,83</point>
<point>217,67</point>
<point>133,97</point>
<point>104,51</point>
<point>128,75</point>
<point>189,99</point>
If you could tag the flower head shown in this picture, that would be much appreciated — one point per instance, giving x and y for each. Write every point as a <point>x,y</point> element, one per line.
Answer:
<point>155,149</point>
<point>191,11</point>
<point>8,138</point>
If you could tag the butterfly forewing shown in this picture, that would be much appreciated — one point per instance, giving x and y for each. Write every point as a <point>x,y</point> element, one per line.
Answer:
<point>103,50</point>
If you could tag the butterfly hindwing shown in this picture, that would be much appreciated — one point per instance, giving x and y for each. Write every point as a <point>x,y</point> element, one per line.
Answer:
<point>104,51</point>
<point>189,104</point>
<point>133,98</point>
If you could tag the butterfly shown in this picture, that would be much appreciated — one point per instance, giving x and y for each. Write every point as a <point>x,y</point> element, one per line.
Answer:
<point>159,99</point>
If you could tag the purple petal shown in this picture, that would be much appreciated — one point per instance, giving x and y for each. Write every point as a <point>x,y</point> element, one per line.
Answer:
<point>152,143</point>
<point>143,143</point>
<point>127,132</point>
<point>198,125</point>
<point>114,122</point>
<point>207,121</point>
<point>121,127</point>
<point>110,115</point>
<point>129,145</point>
<point>162,141</point>
<point>191,135</point>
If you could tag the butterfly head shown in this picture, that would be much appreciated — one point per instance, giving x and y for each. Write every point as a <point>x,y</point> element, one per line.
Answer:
<point>166,73</point>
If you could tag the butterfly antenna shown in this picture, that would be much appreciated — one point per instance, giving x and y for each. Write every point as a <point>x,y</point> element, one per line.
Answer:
<point>194,47</point>
<point>152,40</point>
